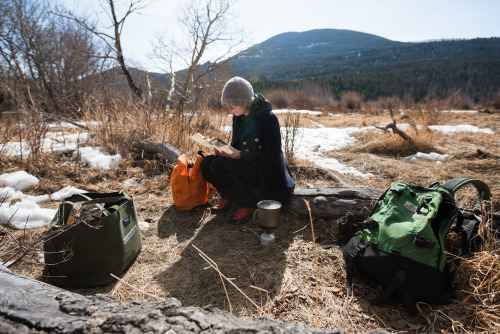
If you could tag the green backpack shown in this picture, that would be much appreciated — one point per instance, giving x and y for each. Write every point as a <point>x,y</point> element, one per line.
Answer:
<point>401,245</point>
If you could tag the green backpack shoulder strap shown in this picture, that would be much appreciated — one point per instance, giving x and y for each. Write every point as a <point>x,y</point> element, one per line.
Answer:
<point>483,191</point>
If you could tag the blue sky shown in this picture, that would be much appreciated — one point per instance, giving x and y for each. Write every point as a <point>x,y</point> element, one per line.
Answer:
<point>400,20</point>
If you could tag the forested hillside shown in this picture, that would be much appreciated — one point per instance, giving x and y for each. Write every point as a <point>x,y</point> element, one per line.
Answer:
<point>308,46</point>
<point>377,67</point>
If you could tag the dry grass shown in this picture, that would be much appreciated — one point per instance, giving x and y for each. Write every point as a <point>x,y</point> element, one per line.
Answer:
<point>282,279</point>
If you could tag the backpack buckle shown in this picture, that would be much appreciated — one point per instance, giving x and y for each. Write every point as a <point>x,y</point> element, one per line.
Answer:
<point>359,248</point>
<point>398,191</point>
<point>422,242</point>
<point>367,224</point>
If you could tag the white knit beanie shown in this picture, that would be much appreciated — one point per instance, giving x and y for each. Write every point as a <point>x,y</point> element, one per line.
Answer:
<point>237,92</point>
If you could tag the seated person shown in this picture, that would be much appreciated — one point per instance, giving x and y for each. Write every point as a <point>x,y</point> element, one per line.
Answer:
<point>259,164</point>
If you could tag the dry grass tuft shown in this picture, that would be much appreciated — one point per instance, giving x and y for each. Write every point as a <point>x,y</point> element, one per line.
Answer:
<point>478,279</point>
<point>392,144</point>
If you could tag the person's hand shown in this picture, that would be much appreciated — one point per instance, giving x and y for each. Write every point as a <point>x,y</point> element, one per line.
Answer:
<point>235,156</point>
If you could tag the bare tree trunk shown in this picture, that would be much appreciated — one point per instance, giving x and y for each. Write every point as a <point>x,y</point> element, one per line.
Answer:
<point>170,92</point>
<point>119,53</point>
<point>30,306</point>
<point>150,93</point>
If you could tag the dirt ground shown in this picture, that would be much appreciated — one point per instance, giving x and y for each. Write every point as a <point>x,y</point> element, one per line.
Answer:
<point>295,279</point>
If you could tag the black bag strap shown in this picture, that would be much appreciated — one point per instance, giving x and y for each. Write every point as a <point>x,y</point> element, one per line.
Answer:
<point>393,285</point>
<point>483,191</point>
<point>350,265</point>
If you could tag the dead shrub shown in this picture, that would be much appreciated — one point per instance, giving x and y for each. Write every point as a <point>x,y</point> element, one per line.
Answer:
<point>429,114</point>
<point>392,144</point>
<point>375,106</point>
<point>485,102</point>
<point>393,101</point>
<point>289,131</point>
<point>351,100</point>
<point>305,96</point>
<point>459,101</point>
<point>408,101</point>
<point>496,100</point>
<point>301,100</point>
<point>319,95</point>
<point>279,98</point>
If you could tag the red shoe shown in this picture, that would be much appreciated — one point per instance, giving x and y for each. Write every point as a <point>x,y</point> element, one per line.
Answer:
<point>222,205</point>
<point>241,215</point>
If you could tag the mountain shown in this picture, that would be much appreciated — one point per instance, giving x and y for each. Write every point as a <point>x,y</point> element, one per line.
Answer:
<point>292,47</point>
<point>349,60</point>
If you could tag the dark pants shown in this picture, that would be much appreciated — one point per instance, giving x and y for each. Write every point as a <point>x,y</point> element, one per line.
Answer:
<point>233,179</point>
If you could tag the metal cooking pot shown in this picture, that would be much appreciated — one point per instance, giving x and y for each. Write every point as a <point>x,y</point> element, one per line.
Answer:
<point>267,213</point>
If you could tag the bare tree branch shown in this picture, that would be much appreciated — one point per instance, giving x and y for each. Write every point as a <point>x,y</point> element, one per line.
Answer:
<point>394,127</point>
<point>113,41</point>
<point>208,26</point>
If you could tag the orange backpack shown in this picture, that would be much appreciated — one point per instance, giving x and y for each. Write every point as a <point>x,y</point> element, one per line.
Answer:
<point>189,188</point>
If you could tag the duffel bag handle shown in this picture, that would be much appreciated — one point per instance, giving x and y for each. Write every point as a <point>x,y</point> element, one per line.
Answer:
<point>107,200</point>
<point>65,208</point>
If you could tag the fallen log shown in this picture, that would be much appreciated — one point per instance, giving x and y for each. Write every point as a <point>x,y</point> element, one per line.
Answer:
<point>30,306</point>
<point>334,202</point>
<point>167,151</point>
<point>321,171</point>
<point>352,204</point>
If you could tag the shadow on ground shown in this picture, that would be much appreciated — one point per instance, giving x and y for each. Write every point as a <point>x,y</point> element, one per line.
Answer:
<point>237,252</point>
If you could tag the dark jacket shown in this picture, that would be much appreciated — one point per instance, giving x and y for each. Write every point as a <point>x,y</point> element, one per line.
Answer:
<point>258,137</point>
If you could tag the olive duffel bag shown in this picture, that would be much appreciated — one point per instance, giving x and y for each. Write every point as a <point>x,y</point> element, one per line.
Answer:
<point>91,237</point>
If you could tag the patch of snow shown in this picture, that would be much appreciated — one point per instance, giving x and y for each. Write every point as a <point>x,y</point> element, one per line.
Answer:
<point>9,194</point>
<point>95,158</point>
<point>426,156</point>
<point>450,129</point>
<point>25,214</point>
<point>66,192</point>
<point>317,124</point>
<point>312,144</point>
<point>143,226</point>
<point>290,111</point>
<point>309,46</point>
<point>54,142</point>
<point>73,126</point>
<point>460,111</point>
<point>19,180</point>
<point>130,182</point>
